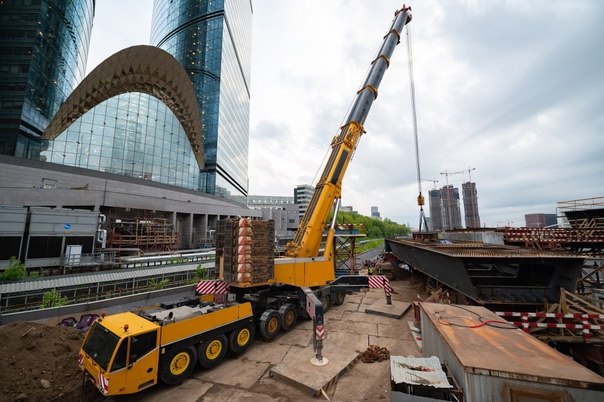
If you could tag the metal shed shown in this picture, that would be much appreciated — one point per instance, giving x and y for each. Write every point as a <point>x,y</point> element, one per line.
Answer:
<point>496,362</point>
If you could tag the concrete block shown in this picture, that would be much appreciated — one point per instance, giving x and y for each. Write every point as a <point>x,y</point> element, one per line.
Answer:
<point>349,306</point>
<point>354,298</point>
<point>189,391</point>
<point>359,316</point>
<point>364,382</point>
<point>397,330</point>
<point>334,313</point>
<point>237,372</point>
<point>351,327</point>
<point>235,395</point>
<point>345,341</point>
<point>267,352</point>
<point>395,310</point>
<point>296,337</point>
<point>396,347</point>
<point>297,370</point>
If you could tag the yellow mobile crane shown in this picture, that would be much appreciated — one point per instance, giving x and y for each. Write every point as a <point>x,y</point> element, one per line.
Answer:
<point>127,352</point>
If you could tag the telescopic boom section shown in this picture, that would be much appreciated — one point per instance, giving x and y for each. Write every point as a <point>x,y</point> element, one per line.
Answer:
<point>329,188</point>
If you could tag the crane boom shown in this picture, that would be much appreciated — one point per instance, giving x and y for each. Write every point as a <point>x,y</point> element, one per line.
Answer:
<point>329,188</point>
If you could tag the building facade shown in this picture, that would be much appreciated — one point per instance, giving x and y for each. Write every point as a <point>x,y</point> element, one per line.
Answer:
<point>44,49</point>
<point>445,211</point>
<point>302,195</point>
<point>540,220</point>
<point>375,213</point>
<point>280,209</point>
<point>451,210</point>
<point>436,222</point>
<point>132,134</point>
<point>470,205</point>
<point>131,148</point>
<point>212,40</point>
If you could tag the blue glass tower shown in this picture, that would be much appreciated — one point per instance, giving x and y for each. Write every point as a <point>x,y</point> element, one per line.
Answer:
<point>43,53</point>
<point>212,40</point>
<point>132,134</point>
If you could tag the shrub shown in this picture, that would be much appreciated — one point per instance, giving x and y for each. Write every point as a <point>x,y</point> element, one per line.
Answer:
<point>53,298</point>
<point>14,271</point>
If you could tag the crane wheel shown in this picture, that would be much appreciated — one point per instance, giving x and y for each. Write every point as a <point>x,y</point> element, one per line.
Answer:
<point>340,296</point>
<point>326,302</point>
<point>240,339</point>
<point>212,351</point>
<point>270,324</point>
<point>177,365</point>
<point>289,316</point>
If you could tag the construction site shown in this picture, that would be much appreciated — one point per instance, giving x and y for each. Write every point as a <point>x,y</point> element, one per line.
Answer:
<point>143,292</point>
<point>545,284</point>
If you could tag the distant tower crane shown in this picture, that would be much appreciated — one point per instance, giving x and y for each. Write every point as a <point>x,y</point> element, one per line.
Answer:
<point>433,181</point>
<point>469,170</point>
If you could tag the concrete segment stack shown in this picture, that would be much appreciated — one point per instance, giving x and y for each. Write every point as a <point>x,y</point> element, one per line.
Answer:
<point>246,250</point>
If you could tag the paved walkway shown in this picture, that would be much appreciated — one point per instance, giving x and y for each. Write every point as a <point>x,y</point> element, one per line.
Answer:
<point>247,378</point>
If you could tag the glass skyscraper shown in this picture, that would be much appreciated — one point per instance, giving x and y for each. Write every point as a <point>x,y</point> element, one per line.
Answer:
<point>132,134</point>
<point>43,53</point>
<point>212,40</point>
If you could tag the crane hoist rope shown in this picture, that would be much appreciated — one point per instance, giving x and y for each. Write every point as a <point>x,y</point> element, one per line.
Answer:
<point>420,197</point>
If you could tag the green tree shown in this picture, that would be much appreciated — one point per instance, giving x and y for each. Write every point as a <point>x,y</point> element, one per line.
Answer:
<point>157,285</point>
<point>14,271</point>
<point>201,272</point>
<point>374,228</point>
<point>53,298</point>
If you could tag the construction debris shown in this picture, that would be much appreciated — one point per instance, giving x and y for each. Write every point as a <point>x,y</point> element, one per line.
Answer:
<point>375,354</point>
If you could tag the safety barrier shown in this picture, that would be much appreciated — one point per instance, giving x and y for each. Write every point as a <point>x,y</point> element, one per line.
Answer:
<point>585,326</point>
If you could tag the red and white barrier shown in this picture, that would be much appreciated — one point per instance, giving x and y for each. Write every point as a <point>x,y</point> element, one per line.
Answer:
<point>585,325</point>
<point>212,287</point>
<point>592,316</point>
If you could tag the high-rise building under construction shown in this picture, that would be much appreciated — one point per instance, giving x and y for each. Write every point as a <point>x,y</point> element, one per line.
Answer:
<point>434,200</point>
<point>451,211</point>
<point>470,204</point>
<point>445,211</point>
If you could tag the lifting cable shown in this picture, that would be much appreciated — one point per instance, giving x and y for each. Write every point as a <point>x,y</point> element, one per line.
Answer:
<point>420,197</point>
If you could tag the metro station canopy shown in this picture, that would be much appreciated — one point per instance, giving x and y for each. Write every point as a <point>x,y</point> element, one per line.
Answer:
<point>141,68</point>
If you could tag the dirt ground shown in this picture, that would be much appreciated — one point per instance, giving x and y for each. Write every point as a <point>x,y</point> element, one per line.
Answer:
<point>39,363</point>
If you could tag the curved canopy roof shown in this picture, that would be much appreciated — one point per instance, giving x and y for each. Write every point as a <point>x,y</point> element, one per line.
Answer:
<point>142,68</point>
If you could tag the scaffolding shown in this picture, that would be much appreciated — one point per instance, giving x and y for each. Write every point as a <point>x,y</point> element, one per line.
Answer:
<point>345,246</point>
<point>145,234</point>
<point>585,213</point>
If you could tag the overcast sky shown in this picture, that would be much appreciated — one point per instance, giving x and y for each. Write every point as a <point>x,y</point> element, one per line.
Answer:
<point>514,89</point>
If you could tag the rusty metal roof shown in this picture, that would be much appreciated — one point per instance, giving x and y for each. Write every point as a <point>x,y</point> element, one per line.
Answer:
<point>481,250</point>
<point>425,371</point>
<point>508,353</point>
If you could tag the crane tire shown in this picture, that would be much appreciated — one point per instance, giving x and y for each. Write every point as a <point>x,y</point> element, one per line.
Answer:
<point>289,316</point>
<point>212,351</point>
<point>270,324</point>
<point>326,302</point>
<point>240,339</point>
<point>177,365</point>
<point>340,296</point>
